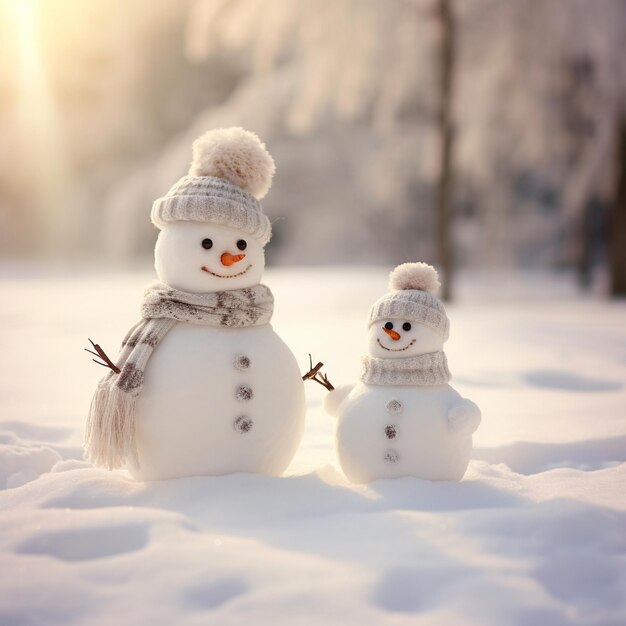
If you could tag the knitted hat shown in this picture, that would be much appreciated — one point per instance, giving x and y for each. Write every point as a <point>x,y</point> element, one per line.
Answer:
<point>412,296</point>
<point>230,172</point>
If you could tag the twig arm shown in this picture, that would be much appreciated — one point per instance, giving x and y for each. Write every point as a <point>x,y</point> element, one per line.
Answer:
<point>315,374</point>
<point>99,352</point>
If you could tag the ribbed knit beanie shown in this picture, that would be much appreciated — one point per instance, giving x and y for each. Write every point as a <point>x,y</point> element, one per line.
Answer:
<point>412,296</point>
<point>230,172</point>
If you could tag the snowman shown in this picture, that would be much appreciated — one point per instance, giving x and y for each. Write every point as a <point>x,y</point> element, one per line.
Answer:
<point>403,418</point>
<point>203,385</point>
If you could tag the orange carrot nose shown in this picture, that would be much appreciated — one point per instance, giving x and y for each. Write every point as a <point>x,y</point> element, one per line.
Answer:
<point>229,259</point>
<point>392,333</point>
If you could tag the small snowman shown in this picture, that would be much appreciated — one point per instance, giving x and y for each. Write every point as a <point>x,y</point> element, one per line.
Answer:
<point>203,384</point>
<point>403,418</point>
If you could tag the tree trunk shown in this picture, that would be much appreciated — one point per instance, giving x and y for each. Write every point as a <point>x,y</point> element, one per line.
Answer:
<point>617,219</point>
<point>446,138</point>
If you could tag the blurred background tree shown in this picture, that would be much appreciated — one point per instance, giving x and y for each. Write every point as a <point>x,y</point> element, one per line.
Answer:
<point>100,99</point>
<point>445,123</point>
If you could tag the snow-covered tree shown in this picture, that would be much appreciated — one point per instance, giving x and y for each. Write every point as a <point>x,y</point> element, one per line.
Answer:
<point>540,85</point>
<point>346,94</point>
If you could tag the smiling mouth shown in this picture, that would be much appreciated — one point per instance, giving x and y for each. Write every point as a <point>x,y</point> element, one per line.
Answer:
<point>399,349</point>
<point>204,268</point>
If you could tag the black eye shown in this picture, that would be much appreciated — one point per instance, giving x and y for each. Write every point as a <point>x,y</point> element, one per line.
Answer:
<point>406,326</point>
<point>207,244</point>
<point>389,325</point>
<point>242,244</point>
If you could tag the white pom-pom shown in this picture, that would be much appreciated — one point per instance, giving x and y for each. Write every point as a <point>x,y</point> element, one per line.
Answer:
<point>414,276</point>
<point>237,155</point>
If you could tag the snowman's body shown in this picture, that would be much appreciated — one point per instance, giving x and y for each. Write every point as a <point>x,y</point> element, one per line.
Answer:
<point>219,400</point>
<point>215,399</point>
<point>392,431</point>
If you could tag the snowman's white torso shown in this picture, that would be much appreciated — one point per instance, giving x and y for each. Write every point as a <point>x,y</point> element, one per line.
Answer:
<point>393,431</point>
<point>216,401</point>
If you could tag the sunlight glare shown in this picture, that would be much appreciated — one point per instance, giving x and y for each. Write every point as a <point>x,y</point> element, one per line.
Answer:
<point>39,122</point>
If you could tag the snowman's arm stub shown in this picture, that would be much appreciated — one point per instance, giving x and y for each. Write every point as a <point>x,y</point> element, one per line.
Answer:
<point>464,416</point>
<point>334,398</point>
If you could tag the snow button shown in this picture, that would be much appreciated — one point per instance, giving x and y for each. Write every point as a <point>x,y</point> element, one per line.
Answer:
<point>242,362</point>
<point>394,407</point>
<point>391,456</point>
<point>243,424</point>
<point>391,431</point>
<point>244,393</point>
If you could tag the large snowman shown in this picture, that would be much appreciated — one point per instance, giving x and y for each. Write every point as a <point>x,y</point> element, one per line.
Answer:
<point>204,384</point>
<point>403,418</point>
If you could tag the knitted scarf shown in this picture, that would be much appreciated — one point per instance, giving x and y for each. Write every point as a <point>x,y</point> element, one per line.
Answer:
<point>421,370</point>
<point>110,435</point>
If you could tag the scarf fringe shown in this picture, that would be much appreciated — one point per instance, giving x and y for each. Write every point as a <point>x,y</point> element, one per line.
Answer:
<point>110,434</point>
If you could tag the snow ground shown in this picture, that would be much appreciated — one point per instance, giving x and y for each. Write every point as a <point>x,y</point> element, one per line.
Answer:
<point>534,535</point>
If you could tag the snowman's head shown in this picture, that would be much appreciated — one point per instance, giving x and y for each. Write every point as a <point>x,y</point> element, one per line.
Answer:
<point>213,229</point>
<point>200,257</point>
<point>398,338</point>
<point>409,320</point>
